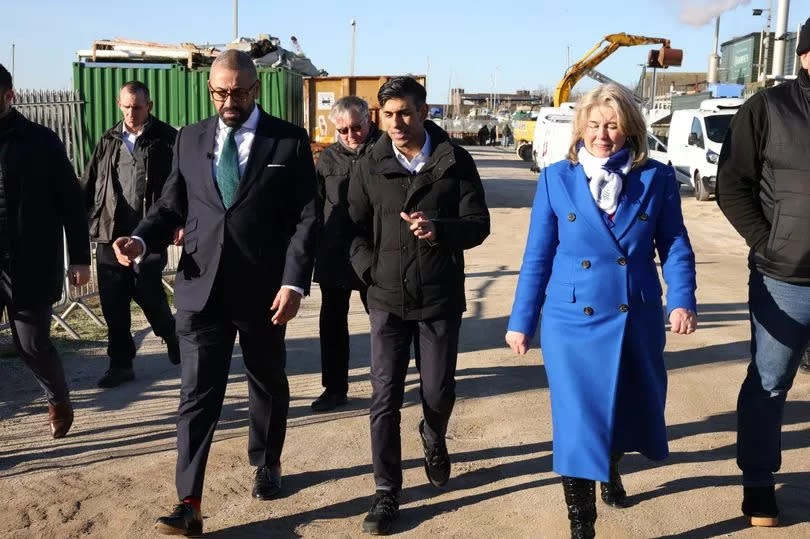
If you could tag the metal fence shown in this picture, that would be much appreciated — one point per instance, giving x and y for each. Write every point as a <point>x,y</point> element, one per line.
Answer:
<point>61,112</point>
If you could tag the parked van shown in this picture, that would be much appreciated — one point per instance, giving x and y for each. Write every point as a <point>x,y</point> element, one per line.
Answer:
<point>552,135</point>
<point>694,142</point>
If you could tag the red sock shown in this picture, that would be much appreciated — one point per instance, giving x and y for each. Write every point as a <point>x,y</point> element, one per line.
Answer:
<point>195,502</point>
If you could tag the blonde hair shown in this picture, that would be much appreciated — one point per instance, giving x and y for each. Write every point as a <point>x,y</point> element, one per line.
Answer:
<point>630,122</point>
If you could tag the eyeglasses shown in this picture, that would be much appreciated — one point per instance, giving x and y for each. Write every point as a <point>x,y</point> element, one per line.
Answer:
<point>221,95</point>
<point>357,128</point>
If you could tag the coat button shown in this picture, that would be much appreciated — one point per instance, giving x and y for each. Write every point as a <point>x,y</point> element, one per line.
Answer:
<point>572,217</point>
<point>624,308</point>
<point>586,264</point>
<point>588,311</point>
<point>642,216</point>
<point>622,261</point>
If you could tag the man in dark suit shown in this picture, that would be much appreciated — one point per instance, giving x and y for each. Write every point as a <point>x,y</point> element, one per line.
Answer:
<point>243,189</point>
<point>39,197</point>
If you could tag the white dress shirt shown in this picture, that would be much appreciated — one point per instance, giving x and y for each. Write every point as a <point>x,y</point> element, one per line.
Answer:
<point>129,137</point>
<point>414,165</point>
<point>244,142</point>
<point>245,134</point>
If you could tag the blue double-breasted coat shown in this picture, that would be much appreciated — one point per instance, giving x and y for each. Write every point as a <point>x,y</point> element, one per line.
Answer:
<point>602,330</point>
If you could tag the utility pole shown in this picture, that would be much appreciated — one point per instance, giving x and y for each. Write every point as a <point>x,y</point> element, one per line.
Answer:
<point>779,38</point>
<point>354,33</point>
<point>12,60</point>
<point>713,57</point>
<point>235,20</point>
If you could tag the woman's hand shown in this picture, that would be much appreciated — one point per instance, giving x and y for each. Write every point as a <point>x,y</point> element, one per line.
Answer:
<point>518,342</point>
<point>683,321</point>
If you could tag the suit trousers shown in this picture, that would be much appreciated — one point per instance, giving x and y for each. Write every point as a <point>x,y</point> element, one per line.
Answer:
<point>206,345</point>
<point>334,327</point>
<point>117,286</point>
<point>435,343</point>
<point>30,330</point>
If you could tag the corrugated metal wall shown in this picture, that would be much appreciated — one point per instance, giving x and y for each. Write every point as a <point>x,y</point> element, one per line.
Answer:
<point>180,95</point>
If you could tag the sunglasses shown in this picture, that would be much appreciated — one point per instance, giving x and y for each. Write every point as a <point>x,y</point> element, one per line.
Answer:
<point>357,128</point>
<point>220,95</point>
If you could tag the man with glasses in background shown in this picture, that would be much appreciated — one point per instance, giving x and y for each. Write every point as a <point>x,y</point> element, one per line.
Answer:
<point>243,189</point>
<point>356,135</point>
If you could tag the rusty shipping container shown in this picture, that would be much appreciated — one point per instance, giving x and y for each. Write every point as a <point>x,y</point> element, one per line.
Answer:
<point>180,94</point>
<point>320,93</point>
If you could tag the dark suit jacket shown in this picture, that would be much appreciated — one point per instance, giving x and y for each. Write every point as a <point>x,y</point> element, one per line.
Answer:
<point>43,198</point>
<point>265,239</point>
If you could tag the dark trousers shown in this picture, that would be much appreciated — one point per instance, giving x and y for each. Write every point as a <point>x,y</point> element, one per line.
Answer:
<point>30,329</point>
<point>206,344</point>
<point>436,348</point>
<point>117,286</point>
<point>334,327</point>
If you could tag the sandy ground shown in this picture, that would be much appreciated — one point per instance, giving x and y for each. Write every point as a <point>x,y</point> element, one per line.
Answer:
<point>114,473</point>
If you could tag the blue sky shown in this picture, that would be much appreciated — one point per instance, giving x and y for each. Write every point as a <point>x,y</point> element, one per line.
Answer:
<point>469,44</point>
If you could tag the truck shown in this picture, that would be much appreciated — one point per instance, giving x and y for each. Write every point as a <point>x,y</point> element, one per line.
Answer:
<point>552,135</point>
<point>694,142</point>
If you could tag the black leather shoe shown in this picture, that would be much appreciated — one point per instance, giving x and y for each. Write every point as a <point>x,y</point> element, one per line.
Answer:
<point>759,505</point>
<point>267,483</point>
<point>384,511</point>
<point>173,349</point>
<point>613,493</point>
<point>580,497</point>
<point>116,376</point>
<point>328,402</point>
<point>184,520</point>
<point>437,461</point>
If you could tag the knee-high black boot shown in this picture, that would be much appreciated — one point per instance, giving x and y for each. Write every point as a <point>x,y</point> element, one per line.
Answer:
<point>580,497</point>
<point>613,493</point>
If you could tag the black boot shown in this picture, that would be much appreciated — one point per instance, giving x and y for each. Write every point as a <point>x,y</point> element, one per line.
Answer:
<point>580,497</point>
<point>613,493</point>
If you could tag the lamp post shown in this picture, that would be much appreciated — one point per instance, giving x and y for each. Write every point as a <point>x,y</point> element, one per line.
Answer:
<point>765,42</point>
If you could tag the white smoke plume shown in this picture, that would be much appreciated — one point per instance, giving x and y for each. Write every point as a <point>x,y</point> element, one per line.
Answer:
<point>700,12</point>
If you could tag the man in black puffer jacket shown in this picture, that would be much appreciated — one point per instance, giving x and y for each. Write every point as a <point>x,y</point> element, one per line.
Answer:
<point>418,203</point>
<point>356,136</point>
<point>763,187</point>
<point>124,177</point>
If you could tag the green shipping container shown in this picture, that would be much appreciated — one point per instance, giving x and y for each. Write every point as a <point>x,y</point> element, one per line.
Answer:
<point>180,95</point>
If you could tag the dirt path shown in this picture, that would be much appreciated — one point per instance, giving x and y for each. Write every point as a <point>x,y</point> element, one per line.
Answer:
<point>114,473</point>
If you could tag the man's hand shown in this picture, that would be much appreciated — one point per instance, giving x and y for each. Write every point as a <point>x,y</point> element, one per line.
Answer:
<point>127,250</point>
<point>286,306</point>
<point>78,274</point>
<point>518,342</point>
<point>422,227</point>
<point>682,321</point>
<point>177,237</point>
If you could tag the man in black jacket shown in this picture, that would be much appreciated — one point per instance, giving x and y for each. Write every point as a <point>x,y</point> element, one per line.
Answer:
<point>243,189</point>
<point>418,203</point>
<point>124,178</point>
<point>39,197</point>
<point>356,136</point>
<point>763,188</point>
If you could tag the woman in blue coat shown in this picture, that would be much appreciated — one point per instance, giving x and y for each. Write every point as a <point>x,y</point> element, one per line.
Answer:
<point>598,219</point>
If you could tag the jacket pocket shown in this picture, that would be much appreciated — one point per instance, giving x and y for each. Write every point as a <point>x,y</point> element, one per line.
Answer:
<point>560,292</point>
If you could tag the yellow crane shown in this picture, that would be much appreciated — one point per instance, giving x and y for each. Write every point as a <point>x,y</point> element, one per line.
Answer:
<point>665,57</point>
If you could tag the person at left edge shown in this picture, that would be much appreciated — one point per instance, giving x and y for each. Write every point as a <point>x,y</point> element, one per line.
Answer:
<point>123,179</point>
<point>243,189</point>
<point>39,197</point>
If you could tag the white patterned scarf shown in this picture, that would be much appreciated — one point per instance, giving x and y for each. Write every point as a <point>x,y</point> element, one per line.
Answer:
<point>606,176</point>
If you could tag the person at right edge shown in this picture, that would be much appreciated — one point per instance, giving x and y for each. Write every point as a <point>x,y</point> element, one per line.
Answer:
<point>597,221</point>
<point>417,202</point>
<point>763,188</point>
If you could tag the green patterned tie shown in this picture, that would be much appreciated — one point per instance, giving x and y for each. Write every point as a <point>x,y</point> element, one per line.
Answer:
<point>228,169</point>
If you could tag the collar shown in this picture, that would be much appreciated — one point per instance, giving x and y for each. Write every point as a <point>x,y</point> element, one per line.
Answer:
<point>423,153</point>
<point>250,124</point>
<point>126,131</point>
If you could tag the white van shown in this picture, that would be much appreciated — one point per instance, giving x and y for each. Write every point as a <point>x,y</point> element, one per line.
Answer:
<point>552,135</point>
<point>695,139</point>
